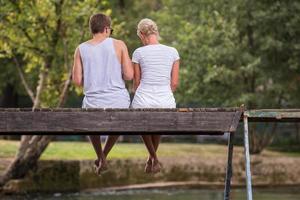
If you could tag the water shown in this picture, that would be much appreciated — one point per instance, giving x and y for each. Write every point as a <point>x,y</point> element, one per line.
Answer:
<point>170,194</point>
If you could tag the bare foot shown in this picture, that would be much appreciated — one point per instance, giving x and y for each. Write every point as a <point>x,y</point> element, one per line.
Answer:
<point>103,165</point>
<point>156,166</point>
<point>148,166</point>
<point>100,166</point>
<point>95,166</point>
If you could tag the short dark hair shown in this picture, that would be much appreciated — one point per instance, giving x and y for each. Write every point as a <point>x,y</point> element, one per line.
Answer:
<point>98,22</point>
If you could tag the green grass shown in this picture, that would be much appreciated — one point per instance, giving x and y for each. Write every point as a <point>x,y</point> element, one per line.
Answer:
<point>8,148</point>
<point>289,150</point>
<point>84,150</point>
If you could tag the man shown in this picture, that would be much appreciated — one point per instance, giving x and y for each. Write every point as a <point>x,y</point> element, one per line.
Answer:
<point>101,65</point>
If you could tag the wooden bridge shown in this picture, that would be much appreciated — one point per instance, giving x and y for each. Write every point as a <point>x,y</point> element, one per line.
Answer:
<point>182,121</point>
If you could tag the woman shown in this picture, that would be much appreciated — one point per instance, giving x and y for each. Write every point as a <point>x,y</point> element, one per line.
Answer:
<point>156,68</point>
<point>101,65</point>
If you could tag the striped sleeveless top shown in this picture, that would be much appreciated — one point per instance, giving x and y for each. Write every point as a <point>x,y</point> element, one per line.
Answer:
<point>103,84</point>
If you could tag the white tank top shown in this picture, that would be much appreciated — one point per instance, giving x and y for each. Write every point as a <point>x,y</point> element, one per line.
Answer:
<point>103,84</point>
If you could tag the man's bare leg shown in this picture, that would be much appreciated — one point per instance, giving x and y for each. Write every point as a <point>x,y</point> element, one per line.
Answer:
<point>110,142</point>
<point>101,160</point>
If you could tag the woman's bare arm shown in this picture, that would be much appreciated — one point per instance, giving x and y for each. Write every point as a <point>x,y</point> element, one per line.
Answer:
<point>175,75</point>
<point>77,72</point>
<point>137,76</point>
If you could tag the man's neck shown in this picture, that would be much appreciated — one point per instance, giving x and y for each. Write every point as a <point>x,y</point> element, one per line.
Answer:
<point>99,37</point>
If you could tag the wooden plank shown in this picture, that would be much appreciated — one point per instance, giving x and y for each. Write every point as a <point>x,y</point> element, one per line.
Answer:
<point>123,121</point>
<point>236,120</point>
<point>273,115</point>
<point>233,109</point>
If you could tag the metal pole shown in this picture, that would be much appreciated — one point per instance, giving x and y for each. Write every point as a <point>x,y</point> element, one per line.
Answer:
<point>247,158</point>
<point>229,167</point>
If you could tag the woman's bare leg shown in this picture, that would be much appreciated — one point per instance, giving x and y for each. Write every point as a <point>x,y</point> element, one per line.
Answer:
<point>156,166</point>
<point>110,142</point>
<point>152,159</point>
<point>155,141</point>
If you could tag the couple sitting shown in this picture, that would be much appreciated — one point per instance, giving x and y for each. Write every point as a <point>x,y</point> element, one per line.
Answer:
<point>101,65</point>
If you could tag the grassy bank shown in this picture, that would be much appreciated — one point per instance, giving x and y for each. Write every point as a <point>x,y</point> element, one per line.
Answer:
<point>83,150</point>
<point>68,166</point>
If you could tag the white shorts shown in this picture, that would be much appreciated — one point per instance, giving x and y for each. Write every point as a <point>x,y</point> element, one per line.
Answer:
<point>150,96</point>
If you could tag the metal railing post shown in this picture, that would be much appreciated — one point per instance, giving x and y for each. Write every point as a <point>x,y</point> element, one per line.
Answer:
<point>247,158</point>
<point>229,167</point>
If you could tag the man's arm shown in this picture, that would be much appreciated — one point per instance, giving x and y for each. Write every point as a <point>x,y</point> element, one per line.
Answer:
<point>77,69</point>
<point>127,68</point>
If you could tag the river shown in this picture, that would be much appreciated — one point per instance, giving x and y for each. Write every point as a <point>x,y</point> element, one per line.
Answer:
<point>169,194</point>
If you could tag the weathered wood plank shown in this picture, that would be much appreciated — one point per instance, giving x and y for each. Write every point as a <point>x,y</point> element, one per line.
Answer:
<point>273,115</point>
<point>123,121</point>
<point>121,109</point>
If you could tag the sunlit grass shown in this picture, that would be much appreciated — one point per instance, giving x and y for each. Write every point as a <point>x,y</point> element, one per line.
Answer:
<point>8,148</point>
<point>84,150</point>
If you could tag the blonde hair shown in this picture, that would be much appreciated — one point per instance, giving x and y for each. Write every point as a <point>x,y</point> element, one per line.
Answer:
<point>147,27</point>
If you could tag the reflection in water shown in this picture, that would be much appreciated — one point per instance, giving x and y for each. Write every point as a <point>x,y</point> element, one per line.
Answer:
<point>171,194</point>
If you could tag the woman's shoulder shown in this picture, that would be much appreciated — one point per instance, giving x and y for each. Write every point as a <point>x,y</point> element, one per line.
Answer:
<point>145,49</point>
<point>170,48</point>
<point>172,51</point>
<point>139,49</point>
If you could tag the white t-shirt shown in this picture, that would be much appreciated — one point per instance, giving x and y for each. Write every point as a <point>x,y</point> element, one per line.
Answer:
<point>156,62</point>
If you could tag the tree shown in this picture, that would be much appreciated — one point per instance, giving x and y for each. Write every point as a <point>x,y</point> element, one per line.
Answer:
<point>269,29</point>
<point>235,52</point>
<point>40,38</point>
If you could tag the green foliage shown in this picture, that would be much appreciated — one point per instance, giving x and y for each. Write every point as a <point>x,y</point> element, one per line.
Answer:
<point>129,13</point>
<point>235,52</point>
<point>232,52</point>
<point>202,37</point>
<point>43,36</point>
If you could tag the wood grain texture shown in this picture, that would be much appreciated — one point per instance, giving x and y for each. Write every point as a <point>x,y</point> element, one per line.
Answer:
<point>120,121</point>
